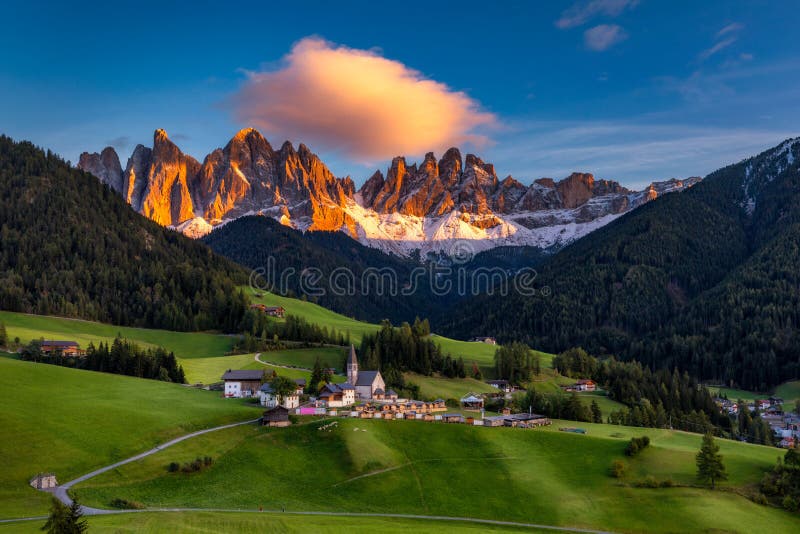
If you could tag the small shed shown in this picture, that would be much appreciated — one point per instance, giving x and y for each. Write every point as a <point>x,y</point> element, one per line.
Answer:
<point>44,481</point>
<point>277,416</point>
<point>453,418</point>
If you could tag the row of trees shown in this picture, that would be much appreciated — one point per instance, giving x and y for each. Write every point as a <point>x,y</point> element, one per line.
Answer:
<point>517,363</point>
<point>262,333</point>
<point>122,357</point>
<point>657,398</point>
<point>395,350</point>
<point>557,405</point>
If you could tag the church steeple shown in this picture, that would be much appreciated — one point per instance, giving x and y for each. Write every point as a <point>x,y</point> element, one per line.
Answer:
<point>352,366</point>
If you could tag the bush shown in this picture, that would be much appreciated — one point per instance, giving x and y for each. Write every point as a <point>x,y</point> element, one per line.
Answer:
<point>637,445</point>
<point>191,467</point>
<point>293,419</point>
<point>759,498</point>
<point>648,482</point>
<point>667,483</point>
<point>790,503</point>
<point>124,504</point>
<point>617,469</point>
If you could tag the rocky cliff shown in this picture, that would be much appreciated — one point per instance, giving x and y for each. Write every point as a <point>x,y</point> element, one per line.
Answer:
<point>425,206</point>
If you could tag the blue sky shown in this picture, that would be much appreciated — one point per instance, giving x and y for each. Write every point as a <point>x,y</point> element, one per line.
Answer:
<point>632,91</point>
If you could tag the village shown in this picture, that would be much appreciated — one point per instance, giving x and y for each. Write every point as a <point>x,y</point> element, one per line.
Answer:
<point>364,396</point>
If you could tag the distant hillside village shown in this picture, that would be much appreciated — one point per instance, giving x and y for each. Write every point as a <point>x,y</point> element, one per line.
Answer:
<point>364,395</point>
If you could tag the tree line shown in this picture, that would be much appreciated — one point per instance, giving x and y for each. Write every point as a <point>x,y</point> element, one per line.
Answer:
<point>408,347</point>
<point>121,357</point>
<point>262,333</point>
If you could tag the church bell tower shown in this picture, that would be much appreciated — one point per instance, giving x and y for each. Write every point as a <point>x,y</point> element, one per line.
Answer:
<point>352,366</point>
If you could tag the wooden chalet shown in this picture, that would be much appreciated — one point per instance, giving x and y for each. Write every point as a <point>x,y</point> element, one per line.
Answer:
<point>64,348</point>
<point>277,416</point>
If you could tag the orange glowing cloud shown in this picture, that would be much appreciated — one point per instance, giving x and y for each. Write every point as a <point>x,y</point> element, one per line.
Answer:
<point>359,103</point>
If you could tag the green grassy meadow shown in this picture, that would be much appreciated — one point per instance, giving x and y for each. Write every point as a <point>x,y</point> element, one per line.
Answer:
<point>431,387</point>
<point>183,344</point>
<point>789,392</point>
<point>68,422</point>
<point>328,356</point>
<point>481,353</point>
<point>150,522</point>
<point>542,476</point>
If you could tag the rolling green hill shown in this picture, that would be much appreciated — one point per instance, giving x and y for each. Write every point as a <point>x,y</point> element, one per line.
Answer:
<point>268,522</point>
<point>183,344</point>
<point>542,476</point>
<point>481,353</point>
<point>68,421</point>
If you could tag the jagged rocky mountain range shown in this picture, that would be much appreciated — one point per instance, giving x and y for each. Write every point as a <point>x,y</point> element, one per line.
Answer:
<point>426,207</point>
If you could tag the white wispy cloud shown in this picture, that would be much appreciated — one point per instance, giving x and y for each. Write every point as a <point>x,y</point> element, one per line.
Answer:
<point>730,28</point>
<point>724,38</point>
<point>582,12</point>
<point>718,46</point>
<point>603,37</point>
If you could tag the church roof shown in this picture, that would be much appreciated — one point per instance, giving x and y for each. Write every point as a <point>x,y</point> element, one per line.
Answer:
<point>367,378</point>
<point>351,359</point>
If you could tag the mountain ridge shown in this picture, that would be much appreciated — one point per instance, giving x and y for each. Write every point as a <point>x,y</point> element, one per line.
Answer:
<point>703,280</point>
<point>426,206</point>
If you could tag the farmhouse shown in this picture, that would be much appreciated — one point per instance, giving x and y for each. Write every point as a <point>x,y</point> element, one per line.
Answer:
<point>366,383</point>
<point>277,416</point>
<point>301,385</point>
<point>272,311</point>
<point>487,340</point>
<point>503,385</point>
<point>581,385</point>
<point>337,395</point>
<point>64,348</point>
<point>268,398</point>
<point>242,383</point>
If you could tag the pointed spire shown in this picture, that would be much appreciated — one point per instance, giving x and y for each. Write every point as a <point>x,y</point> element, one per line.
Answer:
<point>351,359</point>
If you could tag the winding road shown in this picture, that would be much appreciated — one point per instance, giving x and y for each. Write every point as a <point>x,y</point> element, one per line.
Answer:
<point>61,493</point>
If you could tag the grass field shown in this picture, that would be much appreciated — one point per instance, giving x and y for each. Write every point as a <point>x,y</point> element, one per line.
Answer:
<point>183,344</point>
<point>313,313</point>
<point>210,370</point>
<point>329,357</point>
<point>606,405</point>
<point>265,522</point>
<point>543,476</point>
<point>789,392</point>
<point>69,421</point>
<point>431,387</point>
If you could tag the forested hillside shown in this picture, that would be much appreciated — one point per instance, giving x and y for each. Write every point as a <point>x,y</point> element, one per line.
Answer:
<point>263,243</point>
<point>71,246</point>
<point>705,280</point>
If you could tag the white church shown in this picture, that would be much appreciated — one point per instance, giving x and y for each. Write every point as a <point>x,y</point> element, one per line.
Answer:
<point>369,384</point>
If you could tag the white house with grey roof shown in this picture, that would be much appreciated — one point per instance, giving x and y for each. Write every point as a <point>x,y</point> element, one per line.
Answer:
<point>367,383</point>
